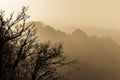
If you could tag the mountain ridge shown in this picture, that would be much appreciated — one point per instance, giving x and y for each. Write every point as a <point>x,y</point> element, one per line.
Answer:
<point>99,52</point>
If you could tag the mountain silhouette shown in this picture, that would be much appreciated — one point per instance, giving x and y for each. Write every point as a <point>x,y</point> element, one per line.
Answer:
<point>99,56</point>
<point>103,32</point>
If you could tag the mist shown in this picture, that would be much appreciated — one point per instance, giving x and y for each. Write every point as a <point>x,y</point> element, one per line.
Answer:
<point>98,51</point>
<point>67,15</point>
<point>88,30</point>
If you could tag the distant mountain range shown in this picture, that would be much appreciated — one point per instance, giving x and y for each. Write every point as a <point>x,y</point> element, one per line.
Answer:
<point>99,55</point>
<point>103,32</point>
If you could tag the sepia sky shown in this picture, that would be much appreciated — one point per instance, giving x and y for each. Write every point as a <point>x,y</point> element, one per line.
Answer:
<point>69,14</point>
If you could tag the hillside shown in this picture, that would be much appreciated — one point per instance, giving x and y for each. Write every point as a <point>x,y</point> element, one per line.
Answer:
<point>100,56</point>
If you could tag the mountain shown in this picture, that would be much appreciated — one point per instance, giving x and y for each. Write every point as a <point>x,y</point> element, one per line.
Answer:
<point>99,56</point>
<point>103,32</point>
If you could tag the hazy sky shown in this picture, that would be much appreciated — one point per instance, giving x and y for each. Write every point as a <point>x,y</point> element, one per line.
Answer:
<point>67,14</point>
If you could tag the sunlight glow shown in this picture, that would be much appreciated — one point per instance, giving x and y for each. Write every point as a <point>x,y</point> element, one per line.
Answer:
<point>10,6</point>
<point>63,13</point>
<point>4,3</point>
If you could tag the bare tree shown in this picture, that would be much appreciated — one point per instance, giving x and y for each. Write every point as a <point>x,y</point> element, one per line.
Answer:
<point>22,57</point>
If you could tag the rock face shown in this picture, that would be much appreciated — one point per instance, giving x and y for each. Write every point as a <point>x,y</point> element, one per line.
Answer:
<point>99,57</point>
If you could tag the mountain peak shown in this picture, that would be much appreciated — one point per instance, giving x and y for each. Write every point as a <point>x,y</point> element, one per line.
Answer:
<point>78,33</point>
